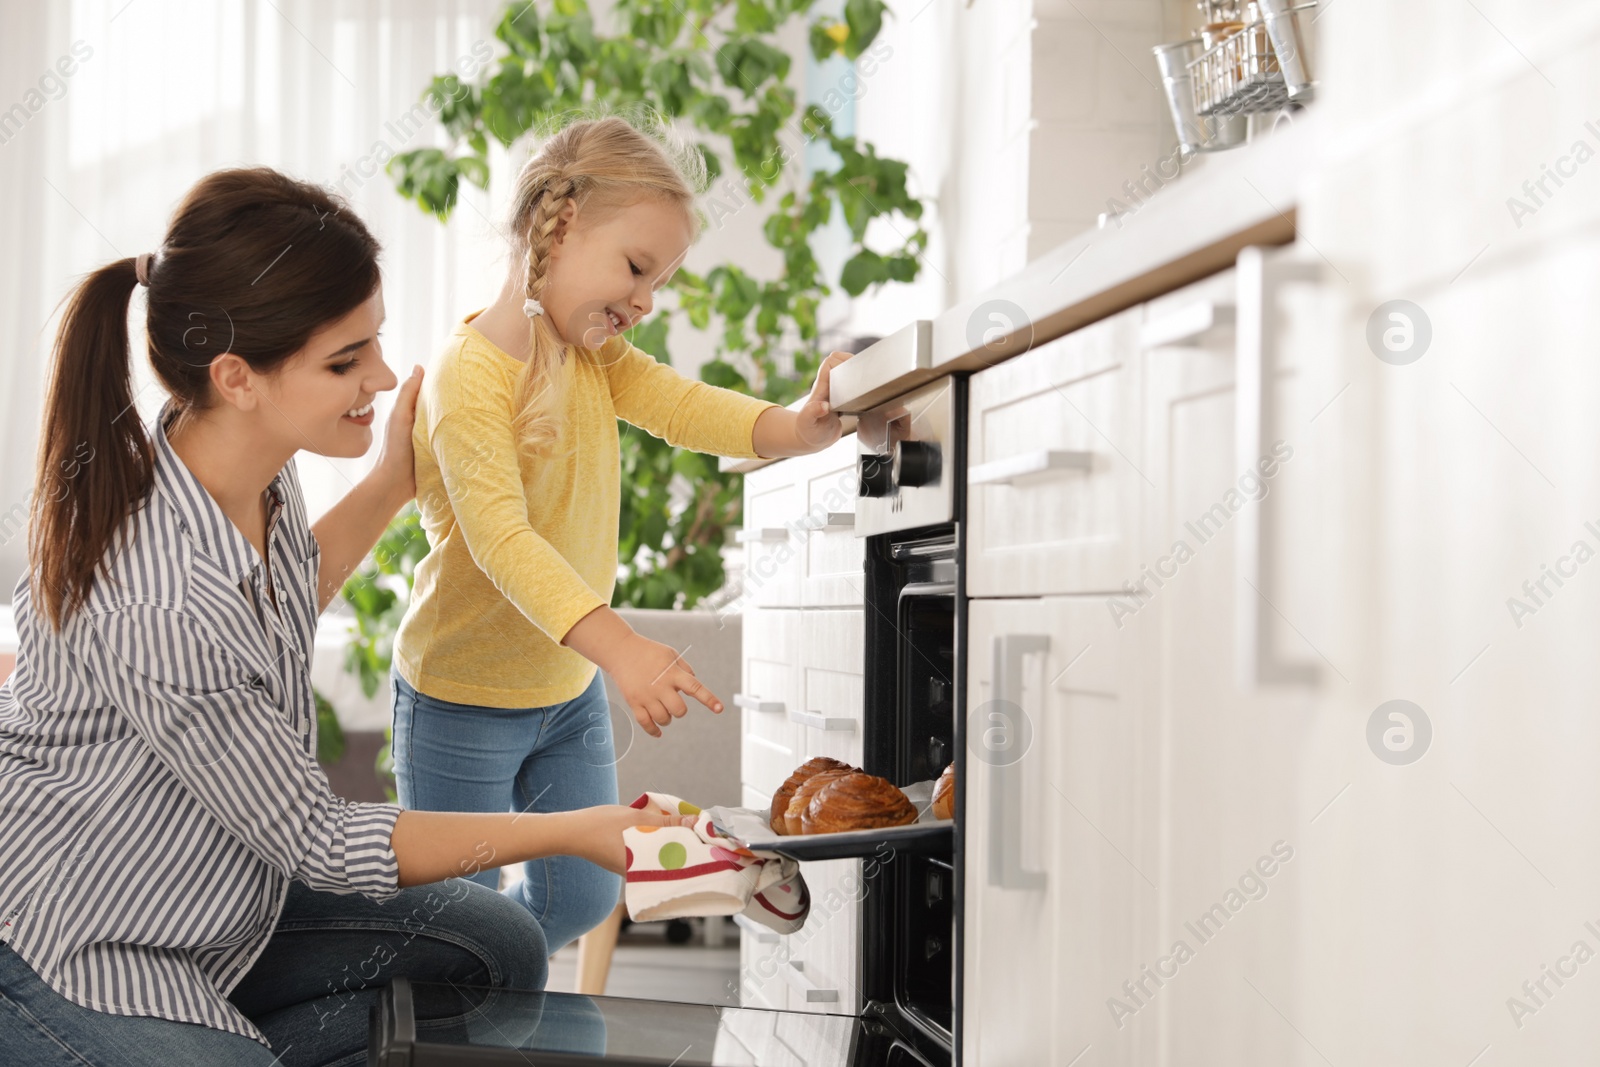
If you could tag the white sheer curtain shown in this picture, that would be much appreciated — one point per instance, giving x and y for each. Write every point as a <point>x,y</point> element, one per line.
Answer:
<point>159,93</point>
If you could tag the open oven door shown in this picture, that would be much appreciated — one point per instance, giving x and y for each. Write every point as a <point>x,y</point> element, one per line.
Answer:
<point>419,1024</point>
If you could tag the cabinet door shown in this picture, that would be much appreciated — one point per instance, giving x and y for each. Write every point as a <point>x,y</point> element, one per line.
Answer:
<point>1233,807</point>
<point>1053,465</point>
<point>774,506</point>
<point>831,554</point>
<point>831,684</point>
<point>770,741</point>
<point>1060,776</point>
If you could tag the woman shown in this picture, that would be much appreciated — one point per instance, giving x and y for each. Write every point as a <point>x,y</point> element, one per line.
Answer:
<point>177,883</point>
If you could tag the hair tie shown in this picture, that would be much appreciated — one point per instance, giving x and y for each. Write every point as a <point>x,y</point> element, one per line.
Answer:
<point>141,268</point>
<point>532,307</point>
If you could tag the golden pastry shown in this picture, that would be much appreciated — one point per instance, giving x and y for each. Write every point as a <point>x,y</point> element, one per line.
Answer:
<point>802,796</point>
<point>780,799</point>
<point>944,794</point>
<point>856,802</point>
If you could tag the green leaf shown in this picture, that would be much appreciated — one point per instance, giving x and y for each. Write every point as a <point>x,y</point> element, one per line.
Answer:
<point>518,29</point>
<point>861,270</point>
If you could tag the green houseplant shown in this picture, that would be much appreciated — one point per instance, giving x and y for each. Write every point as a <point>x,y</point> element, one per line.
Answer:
<point>711,69</point>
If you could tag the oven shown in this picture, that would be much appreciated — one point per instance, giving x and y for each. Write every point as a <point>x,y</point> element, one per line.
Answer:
<point>910,451</point>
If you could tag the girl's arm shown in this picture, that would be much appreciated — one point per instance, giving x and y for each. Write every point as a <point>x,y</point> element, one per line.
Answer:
<point>434,845</point>
<point>780,432</point>
<point>352,526</point>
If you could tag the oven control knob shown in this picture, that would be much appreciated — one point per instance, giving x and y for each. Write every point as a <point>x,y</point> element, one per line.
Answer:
<point>916,463</point>
<point>874,476</point>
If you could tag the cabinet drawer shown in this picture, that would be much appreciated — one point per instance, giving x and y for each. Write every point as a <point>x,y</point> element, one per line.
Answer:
<point>823,969</point>
<point>831,554</point>
<point>828,714</point>
<point>767,693</point>
<point>1053,466</point>
<point>774,507</point>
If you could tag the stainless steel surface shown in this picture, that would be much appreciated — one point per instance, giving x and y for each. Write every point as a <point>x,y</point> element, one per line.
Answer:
<point>883,370</point>
<point>912,436</point>
<point>1288,42</point>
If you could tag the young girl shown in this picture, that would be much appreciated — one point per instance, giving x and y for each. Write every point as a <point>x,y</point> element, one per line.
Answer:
<point>177,883</point>
<point>498,705</point>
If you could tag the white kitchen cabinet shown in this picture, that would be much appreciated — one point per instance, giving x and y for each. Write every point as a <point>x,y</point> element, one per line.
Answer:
<point>830,552</point>
<point>1053,476</point>
<point>774,507</point>
<point>802,693</point>
<point>1061,784</point>
<point>830,686</point>
<point>823,968</point>
<point>1152,834</point>
<point>769,691</point>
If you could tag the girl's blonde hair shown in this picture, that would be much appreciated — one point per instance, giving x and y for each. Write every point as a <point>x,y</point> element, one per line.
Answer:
<point>603,164</point>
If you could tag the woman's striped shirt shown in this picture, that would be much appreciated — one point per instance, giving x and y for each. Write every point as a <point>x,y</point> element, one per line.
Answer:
<point>159,785</point>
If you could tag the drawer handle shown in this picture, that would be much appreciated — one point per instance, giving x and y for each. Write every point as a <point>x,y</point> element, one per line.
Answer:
<point>833,520</point>
<point>750,703</point>
<point>762,934</point>
<point>1030,466</point>
<point>795,975</point>
<point>766,535</point>
<point>1187,325</point>
<point>822,722</point>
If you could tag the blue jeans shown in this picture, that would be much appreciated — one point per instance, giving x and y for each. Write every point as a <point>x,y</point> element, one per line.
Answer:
<point>461,757</point>
<point>312,987</point>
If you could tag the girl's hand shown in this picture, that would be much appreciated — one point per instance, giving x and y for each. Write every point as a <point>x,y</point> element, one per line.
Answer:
<point>651,675</point>
<point>396,467</point>
<point>597,832</point>
<point>816,425</point>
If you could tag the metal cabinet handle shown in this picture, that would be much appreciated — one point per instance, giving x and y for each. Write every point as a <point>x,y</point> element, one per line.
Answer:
<point>753,703</point>
<point>1029,466</point>
<point>833,520</point>
<point>760,933</point>
<point>766,535</point>
<point>1259,662</point>
<point>1005,775</point>
<point>822,721</point>
<point>795,975</point>
<point>1187,325</point>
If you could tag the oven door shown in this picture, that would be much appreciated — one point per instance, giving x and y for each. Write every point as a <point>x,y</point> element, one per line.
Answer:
<point>417,1024</point>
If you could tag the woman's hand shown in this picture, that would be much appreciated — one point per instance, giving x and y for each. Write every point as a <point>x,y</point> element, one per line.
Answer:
<point>651,675</point>
<point>396,467</point>
<point>596,833</point>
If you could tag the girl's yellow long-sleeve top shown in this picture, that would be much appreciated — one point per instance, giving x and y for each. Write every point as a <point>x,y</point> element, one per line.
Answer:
<point>521,549</point>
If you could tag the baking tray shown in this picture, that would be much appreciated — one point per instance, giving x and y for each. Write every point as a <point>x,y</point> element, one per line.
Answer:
<point>748,828</point>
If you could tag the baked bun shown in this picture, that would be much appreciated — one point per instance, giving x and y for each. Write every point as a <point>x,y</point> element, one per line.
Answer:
<point>944,794</point>
<point>855,801</point>
<point>780,799</point>
<point>802,796</point>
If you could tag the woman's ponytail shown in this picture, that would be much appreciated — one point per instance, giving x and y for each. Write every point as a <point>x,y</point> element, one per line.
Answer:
<point>95,459</point>
<point>253,264</point>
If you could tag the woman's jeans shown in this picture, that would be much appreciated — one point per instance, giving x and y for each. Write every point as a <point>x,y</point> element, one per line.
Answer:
<point>312,987</point>
<point>461,757</point>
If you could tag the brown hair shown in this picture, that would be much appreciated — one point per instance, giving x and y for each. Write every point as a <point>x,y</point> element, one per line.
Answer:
<point>603,165</point>
<point>253,263</point>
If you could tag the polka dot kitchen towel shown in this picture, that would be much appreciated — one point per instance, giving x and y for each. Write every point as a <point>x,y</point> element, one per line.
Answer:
<point>679,871</point>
